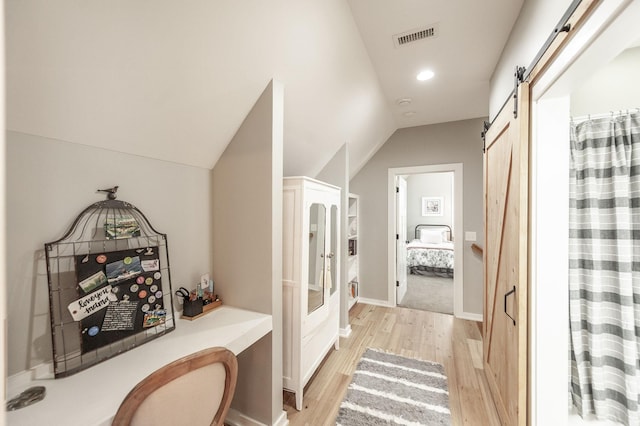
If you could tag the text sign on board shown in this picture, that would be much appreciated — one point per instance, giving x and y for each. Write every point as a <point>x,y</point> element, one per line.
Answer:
<point>90,304</point>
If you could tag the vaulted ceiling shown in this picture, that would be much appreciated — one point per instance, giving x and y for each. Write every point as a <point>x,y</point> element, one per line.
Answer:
<point>468,37</point>
<point>174,80</point>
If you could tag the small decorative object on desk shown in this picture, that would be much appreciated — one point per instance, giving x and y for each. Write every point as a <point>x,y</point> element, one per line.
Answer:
<point>27,397</point>
<point>198,302</point>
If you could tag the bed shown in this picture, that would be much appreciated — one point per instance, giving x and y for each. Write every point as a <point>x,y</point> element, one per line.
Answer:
<point>431,251</point>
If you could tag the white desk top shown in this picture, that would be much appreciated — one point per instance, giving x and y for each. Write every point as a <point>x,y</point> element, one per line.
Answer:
<point>92,396</point>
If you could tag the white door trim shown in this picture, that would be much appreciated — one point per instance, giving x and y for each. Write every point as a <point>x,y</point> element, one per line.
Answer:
<point>458,234</point>
<point>401,245</point>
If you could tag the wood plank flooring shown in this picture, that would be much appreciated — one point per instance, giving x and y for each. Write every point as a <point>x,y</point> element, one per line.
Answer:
<point>454,343</point>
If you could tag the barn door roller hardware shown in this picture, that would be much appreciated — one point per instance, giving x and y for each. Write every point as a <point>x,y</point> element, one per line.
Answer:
<point>518,77</point>
<point>521,74</point>
<point>485,126</point>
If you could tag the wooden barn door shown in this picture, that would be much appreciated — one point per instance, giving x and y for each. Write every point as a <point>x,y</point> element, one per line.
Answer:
<point>506,191</point>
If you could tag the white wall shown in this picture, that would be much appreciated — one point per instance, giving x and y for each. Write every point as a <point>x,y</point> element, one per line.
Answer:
<point>49,182</point>
<point>445,143</point>
<point>614,87</point>
<point>429,185</point>
<point>3,226</point>
<point>246,215</point>
<point>535,23</point>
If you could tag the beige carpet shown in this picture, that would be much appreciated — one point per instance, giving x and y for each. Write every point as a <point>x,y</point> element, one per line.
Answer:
<point>429,293</point>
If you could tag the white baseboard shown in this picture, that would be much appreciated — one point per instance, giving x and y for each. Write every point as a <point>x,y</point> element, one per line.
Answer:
<point>236,418</point>
<point>470,316</point>
<point>283,420</point>
<point>345,332</point>
<point>375,302</point>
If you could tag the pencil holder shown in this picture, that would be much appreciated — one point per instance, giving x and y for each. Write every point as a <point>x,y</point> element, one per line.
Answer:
<point>191,308</point>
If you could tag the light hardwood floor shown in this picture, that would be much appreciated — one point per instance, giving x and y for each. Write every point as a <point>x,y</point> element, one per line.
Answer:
<point>430,336</point>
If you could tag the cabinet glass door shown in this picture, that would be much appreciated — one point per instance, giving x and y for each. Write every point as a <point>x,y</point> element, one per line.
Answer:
<point>317,219</point>
<point>333,258</point>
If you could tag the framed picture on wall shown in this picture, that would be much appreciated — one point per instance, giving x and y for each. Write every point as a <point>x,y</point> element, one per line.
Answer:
<point>432,206</point>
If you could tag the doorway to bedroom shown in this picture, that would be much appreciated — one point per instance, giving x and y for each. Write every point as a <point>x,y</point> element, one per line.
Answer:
<point>429,245</point>
<point>425,210</point>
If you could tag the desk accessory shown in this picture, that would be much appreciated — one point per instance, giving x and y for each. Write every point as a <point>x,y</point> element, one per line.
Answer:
<point>26,398</point>
<point>205,310</point>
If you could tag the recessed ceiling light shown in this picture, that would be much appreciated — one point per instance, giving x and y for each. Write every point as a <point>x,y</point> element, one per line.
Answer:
<point>404,101</point>
<point>409,113</point>
<point>425,75</point>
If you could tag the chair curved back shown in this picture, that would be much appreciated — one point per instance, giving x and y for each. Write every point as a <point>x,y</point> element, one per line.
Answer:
<point>194,390</point>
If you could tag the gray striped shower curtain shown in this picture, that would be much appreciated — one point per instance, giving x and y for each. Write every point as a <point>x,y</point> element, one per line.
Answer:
<point>604,268</point>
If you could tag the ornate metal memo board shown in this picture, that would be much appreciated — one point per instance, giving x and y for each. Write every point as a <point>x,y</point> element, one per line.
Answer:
<point>109,285</point>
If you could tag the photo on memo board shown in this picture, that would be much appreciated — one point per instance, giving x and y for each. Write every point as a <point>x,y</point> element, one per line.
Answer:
<point>432,206</point>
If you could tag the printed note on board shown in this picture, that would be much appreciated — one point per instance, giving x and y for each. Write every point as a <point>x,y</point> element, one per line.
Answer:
<point>90,304</point>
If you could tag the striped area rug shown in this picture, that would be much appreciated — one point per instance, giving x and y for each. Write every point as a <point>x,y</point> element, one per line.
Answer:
<point>390,389</point>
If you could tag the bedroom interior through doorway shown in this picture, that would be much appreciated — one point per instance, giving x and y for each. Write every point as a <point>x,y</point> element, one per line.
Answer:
<point>457,236</point>
<point>425,255</point>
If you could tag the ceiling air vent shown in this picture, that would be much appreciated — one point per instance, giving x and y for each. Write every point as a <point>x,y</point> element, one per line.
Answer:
<point>409,37</point>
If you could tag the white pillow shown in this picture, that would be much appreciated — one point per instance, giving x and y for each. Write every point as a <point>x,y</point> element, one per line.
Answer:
<point>430,236</point>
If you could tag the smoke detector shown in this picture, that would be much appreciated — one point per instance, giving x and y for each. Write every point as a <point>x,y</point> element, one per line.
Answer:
<point>416,34</point>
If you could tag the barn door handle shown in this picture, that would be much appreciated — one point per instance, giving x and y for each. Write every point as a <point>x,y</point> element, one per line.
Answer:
<point>507,294</point>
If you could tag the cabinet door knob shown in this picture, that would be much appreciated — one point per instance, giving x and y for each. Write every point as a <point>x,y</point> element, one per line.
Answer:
<point>330,255</point>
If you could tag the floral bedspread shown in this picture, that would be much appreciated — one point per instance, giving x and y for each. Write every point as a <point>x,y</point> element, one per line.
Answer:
<point>431,258</point>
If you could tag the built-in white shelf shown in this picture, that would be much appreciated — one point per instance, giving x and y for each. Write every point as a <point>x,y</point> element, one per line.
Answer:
<point>353,273</point>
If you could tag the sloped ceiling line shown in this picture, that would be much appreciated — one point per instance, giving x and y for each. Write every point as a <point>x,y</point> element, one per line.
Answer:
<point>174,81</point>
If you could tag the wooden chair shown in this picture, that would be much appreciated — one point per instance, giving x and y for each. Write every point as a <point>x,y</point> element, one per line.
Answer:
<point>193,390</point>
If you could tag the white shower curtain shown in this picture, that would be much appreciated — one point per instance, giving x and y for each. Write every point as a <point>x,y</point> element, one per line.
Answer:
<point>604,269</point>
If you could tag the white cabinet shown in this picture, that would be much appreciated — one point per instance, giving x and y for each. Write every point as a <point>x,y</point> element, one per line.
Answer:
<point>353,286</point>
<point>310,272</point>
